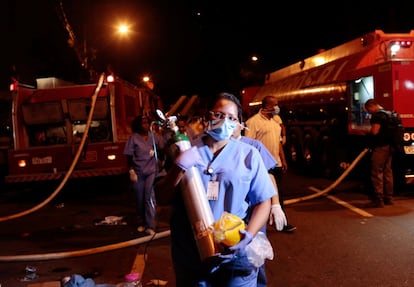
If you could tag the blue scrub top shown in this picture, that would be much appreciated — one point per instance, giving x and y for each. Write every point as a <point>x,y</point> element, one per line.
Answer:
<point>268,159</point>
<point>243,178</point>
<point>142,152</point>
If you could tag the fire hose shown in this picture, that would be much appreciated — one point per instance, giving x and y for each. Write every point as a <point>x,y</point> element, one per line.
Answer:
<point>333,185</point>
<point>84,252</point>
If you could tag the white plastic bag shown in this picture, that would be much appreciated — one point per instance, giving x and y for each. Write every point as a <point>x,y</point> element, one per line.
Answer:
<point>259,250</point>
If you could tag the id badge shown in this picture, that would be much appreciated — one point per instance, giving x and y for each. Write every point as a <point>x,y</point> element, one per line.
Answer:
<point>212,190</point>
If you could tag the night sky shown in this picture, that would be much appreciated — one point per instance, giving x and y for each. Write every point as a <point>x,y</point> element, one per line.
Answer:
<point>187,47</point>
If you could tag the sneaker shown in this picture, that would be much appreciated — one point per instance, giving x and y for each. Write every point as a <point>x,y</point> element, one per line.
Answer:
<point>150,231</point>
<point>141,228</point>
<point>388,201</point>
<point>288,228</point>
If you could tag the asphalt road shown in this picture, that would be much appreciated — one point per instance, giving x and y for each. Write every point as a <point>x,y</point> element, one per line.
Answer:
<point>338,241</point>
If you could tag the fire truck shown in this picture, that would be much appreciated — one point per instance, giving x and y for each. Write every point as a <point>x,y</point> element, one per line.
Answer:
<point>49,121</point>
<point>322,98</point>
<point>5,133</point>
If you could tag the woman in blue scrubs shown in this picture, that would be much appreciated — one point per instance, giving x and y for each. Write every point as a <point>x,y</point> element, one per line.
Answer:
<point>236,181</point>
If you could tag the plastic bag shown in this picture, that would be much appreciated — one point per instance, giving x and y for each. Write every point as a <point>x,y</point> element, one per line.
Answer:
<point>259,250</point>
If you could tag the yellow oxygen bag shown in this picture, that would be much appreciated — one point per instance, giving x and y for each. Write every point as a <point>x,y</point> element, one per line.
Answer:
<point>227,229</point>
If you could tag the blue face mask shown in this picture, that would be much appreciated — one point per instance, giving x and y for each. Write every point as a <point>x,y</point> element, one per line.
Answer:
<point>221,129</point>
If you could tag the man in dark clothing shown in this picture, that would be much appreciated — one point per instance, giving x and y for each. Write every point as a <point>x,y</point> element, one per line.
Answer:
<point>381,156</point>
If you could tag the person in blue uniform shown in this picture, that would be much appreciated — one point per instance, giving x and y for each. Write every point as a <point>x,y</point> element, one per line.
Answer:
<point>243,189</point>
<point>142,150</point>
<point>277,216</point>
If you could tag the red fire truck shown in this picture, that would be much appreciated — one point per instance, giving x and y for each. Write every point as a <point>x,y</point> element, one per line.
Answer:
<point>48,123</point>
<point>322,98</point>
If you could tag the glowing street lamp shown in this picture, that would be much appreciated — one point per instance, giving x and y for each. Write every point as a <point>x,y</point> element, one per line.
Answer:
<point>123,29</point>
<point>148,82</point>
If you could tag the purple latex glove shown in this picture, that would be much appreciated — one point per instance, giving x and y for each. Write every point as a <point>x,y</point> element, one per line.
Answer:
<point>189,158</point>
<point>247,238</point>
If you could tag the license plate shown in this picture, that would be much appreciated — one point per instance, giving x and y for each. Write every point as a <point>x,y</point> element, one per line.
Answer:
<point>41,160</point>
<point>409,149</point>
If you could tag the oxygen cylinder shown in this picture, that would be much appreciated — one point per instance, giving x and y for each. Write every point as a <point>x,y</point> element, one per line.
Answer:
<point>196,203</point>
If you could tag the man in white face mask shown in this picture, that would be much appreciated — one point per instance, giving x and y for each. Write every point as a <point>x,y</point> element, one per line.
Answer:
<point>264,127</point>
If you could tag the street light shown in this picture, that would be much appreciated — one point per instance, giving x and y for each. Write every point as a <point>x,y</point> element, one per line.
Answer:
<point>123,29</point>
<point>251,71</point>
<point>90,53</point>
<point>148,82</point>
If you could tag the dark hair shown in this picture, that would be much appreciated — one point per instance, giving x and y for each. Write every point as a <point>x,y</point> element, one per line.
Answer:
<point>136,125</point>
<point>184,118</point>
<point>370,103</point>
<point>267,100</point>
<point>234,99</point>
